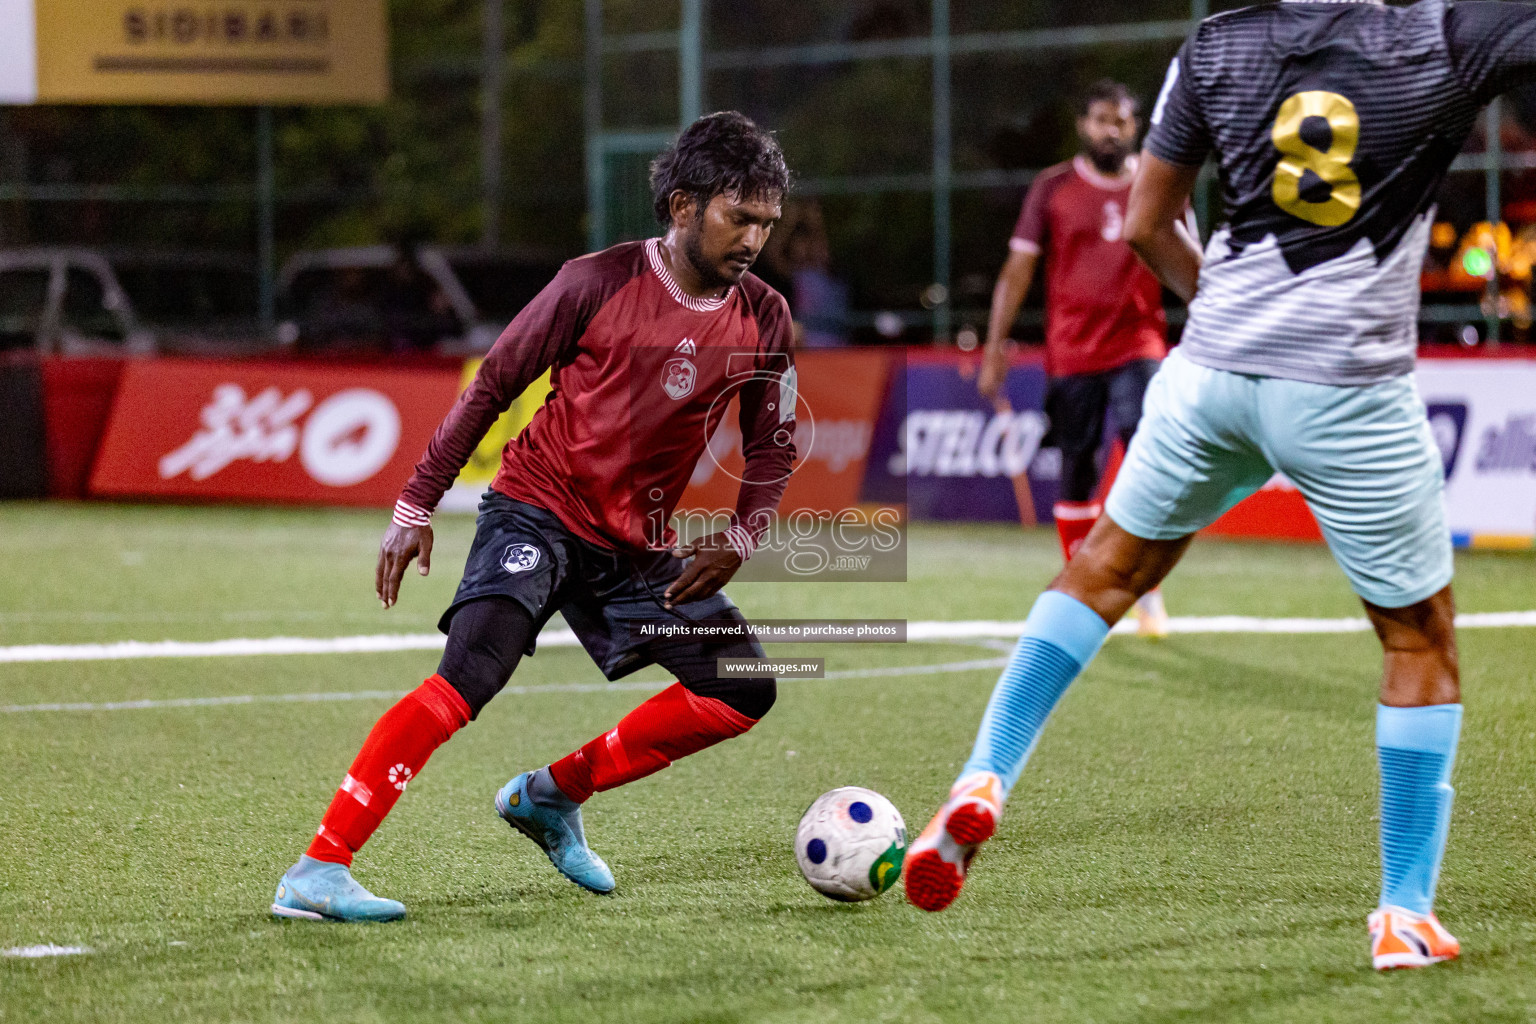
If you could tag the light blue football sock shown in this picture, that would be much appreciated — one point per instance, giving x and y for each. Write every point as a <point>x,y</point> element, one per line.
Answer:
<point>1061,636</point>
<point>1417,747</point>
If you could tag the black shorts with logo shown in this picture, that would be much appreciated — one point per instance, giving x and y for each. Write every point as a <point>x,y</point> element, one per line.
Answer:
<point>1077,405</point>
<point>525,553</point>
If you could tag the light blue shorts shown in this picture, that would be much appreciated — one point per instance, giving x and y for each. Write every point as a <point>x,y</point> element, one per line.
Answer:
<point>1363,457</point>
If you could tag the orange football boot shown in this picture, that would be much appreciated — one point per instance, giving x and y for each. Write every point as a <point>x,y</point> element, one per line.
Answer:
<point>1400,938</point>
<point>937,862</point>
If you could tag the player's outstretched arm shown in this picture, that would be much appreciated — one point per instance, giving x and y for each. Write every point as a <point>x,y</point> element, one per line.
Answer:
<point>401,545</point>
<point>1153,224</point>
<point>541,335</point>
<point>1007,296</point>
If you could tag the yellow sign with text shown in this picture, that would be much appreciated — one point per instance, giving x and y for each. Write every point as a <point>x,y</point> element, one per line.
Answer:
<point>212,51</point>
<point>486,459</point>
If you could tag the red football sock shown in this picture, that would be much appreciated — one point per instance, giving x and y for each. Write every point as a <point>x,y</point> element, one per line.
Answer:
<point>1073,521</point>
<point>672,724</point>
<point>393,754</point>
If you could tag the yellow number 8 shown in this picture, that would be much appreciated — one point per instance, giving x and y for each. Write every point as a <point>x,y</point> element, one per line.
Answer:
<point>1331,164</point>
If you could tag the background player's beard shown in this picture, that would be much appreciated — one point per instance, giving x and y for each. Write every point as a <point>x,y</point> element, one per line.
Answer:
<point>1109,158</point>
<point>709,273</point>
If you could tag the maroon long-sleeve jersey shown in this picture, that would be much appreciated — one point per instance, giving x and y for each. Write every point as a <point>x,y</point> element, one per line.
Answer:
<point>641,375</point>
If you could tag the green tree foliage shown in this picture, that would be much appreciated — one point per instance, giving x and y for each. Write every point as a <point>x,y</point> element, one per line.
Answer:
<point>411,167</point>
<point>346,175</point>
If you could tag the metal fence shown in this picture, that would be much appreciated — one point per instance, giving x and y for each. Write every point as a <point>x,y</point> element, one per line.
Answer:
<point>645,74</point>
<point>618,202</point>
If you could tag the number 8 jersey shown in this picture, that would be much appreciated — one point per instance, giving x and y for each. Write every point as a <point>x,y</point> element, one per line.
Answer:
<point>1333,123</point>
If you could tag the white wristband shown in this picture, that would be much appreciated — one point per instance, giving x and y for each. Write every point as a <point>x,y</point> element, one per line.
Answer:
<point>740,540</point>
<point>408,515</point>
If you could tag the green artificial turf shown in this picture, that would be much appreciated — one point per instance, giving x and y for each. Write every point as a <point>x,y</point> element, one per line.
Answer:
<point>1194,839</point>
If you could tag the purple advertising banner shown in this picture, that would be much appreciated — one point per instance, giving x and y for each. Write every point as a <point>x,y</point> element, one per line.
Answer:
<point>953,455</point>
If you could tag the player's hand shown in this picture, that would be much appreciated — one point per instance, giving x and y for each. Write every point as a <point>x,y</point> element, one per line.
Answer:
<point>994,371</point>
<point>400,546</point>
<point>714,563</point>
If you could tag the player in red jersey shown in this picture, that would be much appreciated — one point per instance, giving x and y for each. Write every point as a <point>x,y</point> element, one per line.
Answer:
<point>647,343</point>
<point>1105,330</point>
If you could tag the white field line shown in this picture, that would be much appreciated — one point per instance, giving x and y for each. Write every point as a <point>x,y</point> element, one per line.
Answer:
<point>916,632</point>
<point>245,648</point>
<point>1212,624</point>
<point>918,670</point>
<point>34,952</point>
<point>198,617</point>
<point>347,695</point>
<point>302,698</point>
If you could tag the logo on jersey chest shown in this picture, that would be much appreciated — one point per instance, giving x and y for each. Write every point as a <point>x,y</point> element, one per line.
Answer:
<point>1113,227</point>
<point>679,376</point>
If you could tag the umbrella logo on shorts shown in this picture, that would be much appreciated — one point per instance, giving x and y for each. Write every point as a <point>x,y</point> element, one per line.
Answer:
<point>678,378</point>
<point>520,558</point>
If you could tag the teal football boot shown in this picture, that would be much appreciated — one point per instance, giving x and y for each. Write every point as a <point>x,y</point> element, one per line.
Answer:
<point>314,890</point>
<point>559,834</point>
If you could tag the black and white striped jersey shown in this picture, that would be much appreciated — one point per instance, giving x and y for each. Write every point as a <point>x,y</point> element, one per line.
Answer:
<point>1333,123</point>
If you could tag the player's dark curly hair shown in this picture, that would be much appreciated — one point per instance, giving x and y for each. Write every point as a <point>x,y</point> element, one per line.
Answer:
<point>719,154</point>
<point>1107,90</point>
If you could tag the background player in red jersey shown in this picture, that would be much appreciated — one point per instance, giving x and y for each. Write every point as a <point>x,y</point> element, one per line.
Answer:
<point>647,343</point>
<point>1105,330</point>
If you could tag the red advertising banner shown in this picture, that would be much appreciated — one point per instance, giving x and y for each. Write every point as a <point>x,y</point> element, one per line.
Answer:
<point>840,394</point>
<point>269,433</point>
<point>1277,511</point>
<point>77,402</point>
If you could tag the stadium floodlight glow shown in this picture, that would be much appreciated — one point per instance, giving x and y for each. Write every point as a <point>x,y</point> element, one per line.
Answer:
<point>1478,262</point>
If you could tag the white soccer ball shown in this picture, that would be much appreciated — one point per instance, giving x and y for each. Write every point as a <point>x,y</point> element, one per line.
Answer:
<point>850,844</point>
